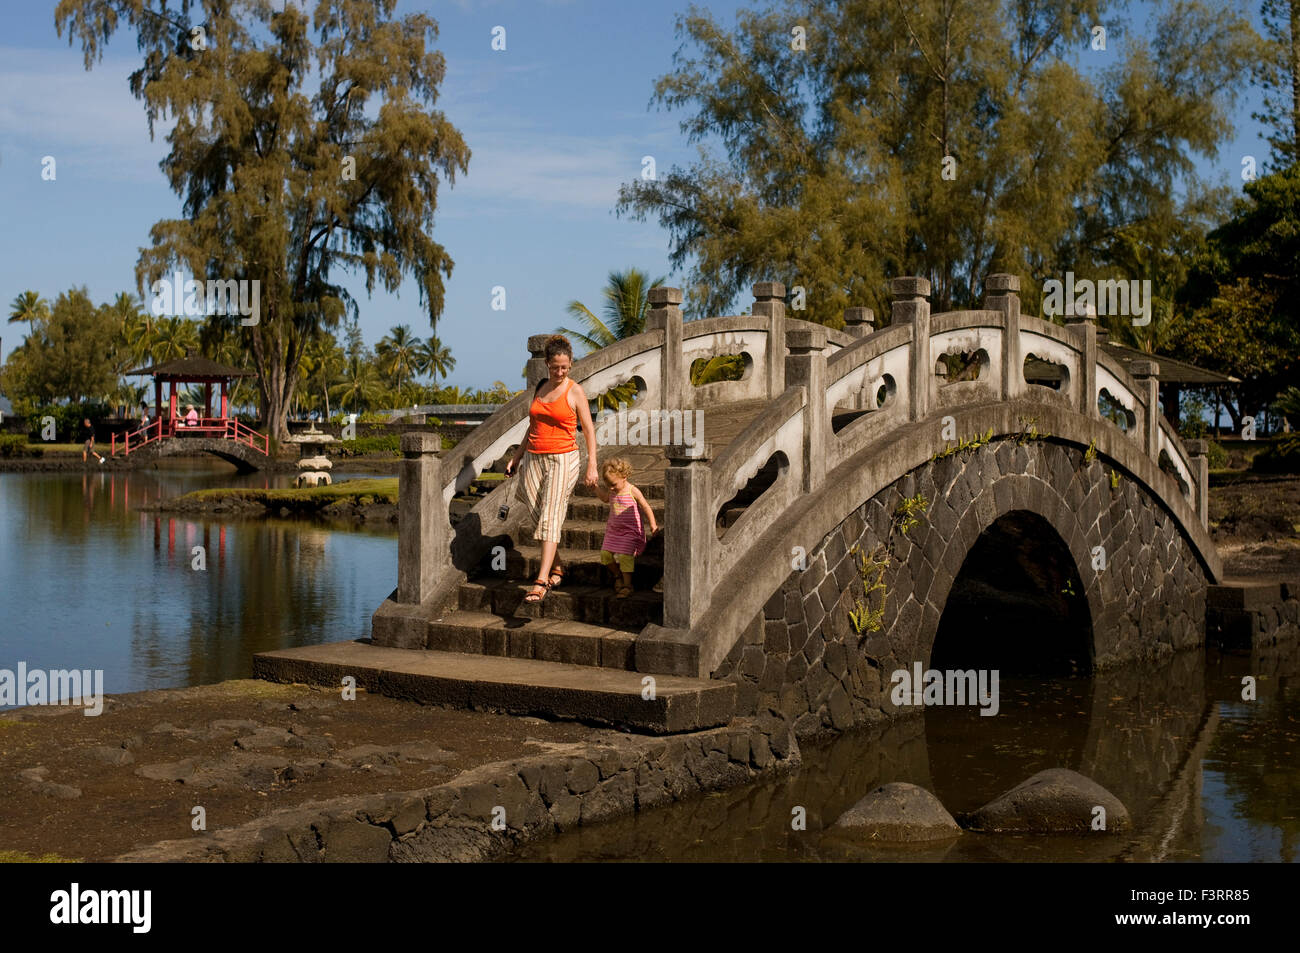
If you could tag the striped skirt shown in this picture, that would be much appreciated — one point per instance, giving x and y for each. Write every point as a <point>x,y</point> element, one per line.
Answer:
<point>549,479</point>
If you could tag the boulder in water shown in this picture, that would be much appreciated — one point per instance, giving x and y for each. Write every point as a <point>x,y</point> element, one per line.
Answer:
<point>898,813</point>
<point>1055,801</point>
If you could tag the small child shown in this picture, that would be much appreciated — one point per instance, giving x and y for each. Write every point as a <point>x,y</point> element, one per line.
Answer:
<point>625,535</point>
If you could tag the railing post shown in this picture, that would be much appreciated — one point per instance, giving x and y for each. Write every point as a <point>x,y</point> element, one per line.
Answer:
<point>1002,293</point>
<point>859,322</point>
<point>536,369</point>
<point>769,302</point>
<point>806,365</point>
<point>911,306</point>
<point>666,314</point>
<point>688,536</point>
<point>1084,329</point>
<point>423,524</point>
<point>1198,451</point>
<point>1147,374</point>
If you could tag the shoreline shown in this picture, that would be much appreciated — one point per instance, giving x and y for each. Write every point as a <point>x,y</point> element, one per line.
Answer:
<point>295,773</point>
<point>61,462</point>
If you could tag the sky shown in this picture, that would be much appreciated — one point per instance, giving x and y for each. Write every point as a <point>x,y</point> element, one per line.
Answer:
<point>555,123</point>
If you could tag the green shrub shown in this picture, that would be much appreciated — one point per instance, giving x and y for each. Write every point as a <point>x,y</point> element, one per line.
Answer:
<point>1217,456</point>
<point>368,446</point>
<point>13,445</point>
<point>1282,455</point>
<point>67,418</point>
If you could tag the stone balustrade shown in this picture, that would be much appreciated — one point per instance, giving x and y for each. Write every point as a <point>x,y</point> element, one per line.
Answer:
<point>809,373</point>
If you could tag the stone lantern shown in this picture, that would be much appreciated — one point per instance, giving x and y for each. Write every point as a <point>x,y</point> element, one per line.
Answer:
<point>313,463</point>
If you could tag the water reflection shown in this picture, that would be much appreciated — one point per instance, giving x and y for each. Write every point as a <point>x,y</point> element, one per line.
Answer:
<point>1204,775</point>
<point>91,581</point>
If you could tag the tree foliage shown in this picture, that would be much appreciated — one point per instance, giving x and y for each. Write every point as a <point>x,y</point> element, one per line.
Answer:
<point>833,174</point>
<point>281,185</point>
<point>1241,314</point>
<point>1277,74</point>
<point>71,354</point>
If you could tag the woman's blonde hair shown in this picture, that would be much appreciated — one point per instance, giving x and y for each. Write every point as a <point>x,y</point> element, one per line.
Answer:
<point>619,466</point>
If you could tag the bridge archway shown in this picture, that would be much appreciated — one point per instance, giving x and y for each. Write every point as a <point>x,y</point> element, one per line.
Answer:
<point>801,655</point>
<point>244,458</point>
<point>1017,605</point>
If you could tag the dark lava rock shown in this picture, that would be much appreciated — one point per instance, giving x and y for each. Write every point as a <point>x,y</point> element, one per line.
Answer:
<point>1055,801</point>
<point>899,813</point>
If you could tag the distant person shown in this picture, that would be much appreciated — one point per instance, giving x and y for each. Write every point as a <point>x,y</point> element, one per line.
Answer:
<point>191,416</point>
<point>88,442</point>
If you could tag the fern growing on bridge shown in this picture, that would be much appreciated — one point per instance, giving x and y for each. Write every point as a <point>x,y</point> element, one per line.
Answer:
<point>871,568</point>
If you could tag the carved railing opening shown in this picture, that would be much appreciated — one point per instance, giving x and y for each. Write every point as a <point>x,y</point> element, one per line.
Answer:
<point>1046,373</point>
<point>626,394</point>
<point>1111,409</point>
<point>720,367</point>
<point>756,486</point>
<point>872,398</point>
<point>954,367</point>
<point>1167,465</point>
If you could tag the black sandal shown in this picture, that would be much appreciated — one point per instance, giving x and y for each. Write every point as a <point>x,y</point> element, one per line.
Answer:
<point>533,597</point>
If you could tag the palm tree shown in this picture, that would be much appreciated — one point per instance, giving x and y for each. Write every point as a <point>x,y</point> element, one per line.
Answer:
<point>174,337</point>
<point>433,357</point>
<point>225,347</point>
<point>498,393</point>
<point>360,385</point>
<point>322,362</point>
<point>397,354</point>
<point>453,395</point>
<point>30,307</point>
<point>627,298</point>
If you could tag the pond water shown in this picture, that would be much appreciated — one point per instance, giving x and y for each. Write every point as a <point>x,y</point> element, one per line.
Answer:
<point>91,582</point>
<point>1205,775</point>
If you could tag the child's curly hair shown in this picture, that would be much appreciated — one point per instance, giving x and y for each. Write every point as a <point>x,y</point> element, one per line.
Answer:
<point>619,466</point>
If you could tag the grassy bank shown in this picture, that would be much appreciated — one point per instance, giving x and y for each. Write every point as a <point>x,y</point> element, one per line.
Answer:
<point>381,491</point>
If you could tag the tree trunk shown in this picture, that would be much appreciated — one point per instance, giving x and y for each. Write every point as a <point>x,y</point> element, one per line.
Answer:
<point>277,397</point>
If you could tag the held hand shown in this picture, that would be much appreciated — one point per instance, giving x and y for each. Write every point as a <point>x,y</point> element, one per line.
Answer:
<point>591,479</point>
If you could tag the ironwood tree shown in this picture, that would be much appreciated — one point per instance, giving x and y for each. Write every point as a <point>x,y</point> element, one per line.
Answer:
<point>281,184</point>
<point>866,139</point>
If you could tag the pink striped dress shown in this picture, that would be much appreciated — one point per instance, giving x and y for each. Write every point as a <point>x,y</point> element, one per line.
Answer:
<point>623,532</point>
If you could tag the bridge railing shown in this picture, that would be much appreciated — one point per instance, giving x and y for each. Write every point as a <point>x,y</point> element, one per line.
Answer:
<point>832,394</point>
<point>225,428</point>
<point>433,554</point>
<point>838,403</point>
<point>145,435</point>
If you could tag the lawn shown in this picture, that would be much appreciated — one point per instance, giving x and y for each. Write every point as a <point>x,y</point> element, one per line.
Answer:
<point>361,492</point>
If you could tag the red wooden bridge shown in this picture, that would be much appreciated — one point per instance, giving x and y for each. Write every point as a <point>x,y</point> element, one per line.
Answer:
<point>177,433</point>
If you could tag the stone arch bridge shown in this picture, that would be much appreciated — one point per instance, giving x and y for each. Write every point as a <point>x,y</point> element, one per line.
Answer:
<point>794,576</point>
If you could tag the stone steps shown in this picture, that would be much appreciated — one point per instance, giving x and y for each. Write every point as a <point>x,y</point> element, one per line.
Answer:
<point>515,685</point>
<point>582,567</point>
<point>546,640</point>
<point>595,605</point>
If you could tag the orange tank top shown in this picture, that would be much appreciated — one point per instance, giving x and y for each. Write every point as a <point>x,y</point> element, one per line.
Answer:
<point>554,424</point>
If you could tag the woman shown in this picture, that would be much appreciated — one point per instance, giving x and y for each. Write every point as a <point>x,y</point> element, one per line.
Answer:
<point>553,461</point>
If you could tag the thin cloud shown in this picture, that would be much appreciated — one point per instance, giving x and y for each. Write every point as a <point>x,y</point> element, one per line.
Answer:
<point>53,106</point>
